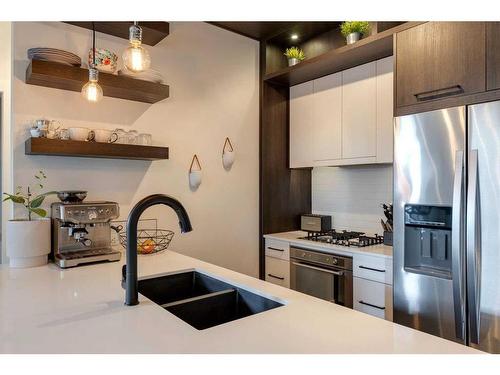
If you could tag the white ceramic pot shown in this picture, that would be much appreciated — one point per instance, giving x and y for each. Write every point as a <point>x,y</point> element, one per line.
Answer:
<point>293,61</point>
<point>228,159</point>
<point>28,242</point>
<point>194,179</point>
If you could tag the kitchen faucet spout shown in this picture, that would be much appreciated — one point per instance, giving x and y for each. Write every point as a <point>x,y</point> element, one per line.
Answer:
<point>129,271</point>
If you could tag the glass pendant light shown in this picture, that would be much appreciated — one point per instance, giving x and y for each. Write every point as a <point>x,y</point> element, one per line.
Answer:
<point>136,58</point>
<point>91,90</point>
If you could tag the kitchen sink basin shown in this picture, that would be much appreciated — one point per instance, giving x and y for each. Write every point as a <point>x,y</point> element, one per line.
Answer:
<point>201,300</point>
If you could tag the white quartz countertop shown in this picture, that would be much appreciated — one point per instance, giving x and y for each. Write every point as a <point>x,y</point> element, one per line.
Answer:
<point>81,310</point>
<point>294,238</point>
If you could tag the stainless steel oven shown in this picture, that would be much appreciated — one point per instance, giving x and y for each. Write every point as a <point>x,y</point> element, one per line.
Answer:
<point>322,275</point>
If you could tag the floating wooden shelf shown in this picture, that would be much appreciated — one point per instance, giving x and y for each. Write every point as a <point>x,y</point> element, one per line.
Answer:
<point>371,48</point>
<point>57,147</point>
<point>65,77</point>
<point>152,32</point>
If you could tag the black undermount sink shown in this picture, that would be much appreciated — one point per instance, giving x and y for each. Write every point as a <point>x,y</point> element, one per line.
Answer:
<point>203,301</point>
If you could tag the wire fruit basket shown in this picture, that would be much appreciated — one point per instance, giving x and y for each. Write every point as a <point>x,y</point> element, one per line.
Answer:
<point>149,241</point>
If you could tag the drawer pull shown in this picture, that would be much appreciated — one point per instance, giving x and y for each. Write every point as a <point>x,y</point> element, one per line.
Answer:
<point>371,269</point>
<point>369,304</point>
<point>439,93</point>
<point>275,249</point>
<point>276,277</point>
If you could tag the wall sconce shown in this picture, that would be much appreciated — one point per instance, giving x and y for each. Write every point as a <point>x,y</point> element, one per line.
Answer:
<point>227,154</point>
<point>195,173</point>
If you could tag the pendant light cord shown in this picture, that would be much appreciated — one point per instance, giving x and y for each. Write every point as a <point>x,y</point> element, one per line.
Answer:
<point>93,45</point>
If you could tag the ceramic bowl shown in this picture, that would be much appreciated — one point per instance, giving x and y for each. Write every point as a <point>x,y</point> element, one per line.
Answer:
<point>105,60</point>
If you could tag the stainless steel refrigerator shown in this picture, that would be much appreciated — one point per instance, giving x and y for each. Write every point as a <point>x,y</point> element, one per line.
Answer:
<point>447,224</point>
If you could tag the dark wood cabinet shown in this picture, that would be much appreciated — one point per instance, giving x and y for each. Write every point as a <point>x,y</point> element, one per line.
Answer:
<point>492,55</point>
<point>440,60</point>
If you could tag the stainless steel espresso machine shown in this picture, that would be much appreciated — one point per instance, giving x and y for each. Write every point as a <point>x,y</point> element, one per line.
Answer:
<point>81,232</point>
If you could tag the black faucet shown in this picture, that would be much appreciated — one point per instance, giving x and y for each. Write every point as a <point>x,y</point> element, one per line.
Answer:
<point>129,271</point>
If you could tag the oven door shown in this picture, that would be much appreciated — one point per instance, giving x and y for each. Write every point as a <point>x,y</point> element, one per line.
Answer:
<point>331,284</point>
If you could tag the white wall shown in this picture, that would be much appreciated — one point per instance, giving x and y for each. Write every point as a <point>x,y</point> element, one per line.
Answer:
<point>213,78</point>
<point>352,195</point>
<point>5,121</point>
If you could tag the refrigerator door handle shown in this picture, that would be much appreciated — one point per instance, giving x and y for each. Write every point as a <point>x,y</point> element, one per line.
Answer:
<point>458,269</point>
<point>473,247</point>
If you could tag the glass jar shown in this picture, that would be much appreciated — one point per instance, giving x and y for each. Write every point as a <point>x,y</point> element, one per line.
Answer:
<point>132,137</point>
<point>122,136</point>
<point>145,139</point>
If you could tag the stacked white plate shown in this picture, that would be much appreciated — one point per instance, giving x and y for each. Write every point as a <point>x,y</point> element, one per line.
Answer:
<point>150,75</point>
<point>55,55</point>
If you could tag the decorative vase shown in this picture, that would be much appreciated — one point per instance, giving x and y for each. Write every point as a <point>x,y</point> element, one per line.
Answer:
<point>353,37</point>
<point>227,154</point>
<point>194,173</point>
<point>194,179</point>
<point>292,62</point>
<point>228,159</point>
<point>28,242</point>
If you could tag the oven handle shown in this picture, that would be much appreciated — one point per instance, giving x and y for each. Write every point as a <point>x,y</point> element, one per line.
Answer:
<point>337,273</point>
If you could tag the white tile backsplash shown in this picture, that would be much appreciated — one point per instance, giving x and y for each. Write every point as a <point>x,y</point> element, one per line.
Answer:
<point>352,195</point>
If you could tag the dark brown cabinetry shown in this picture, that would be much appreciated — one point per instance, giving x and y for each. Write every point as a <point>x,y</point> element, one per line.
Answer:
<point>438,60</point>
<point>492,55</point>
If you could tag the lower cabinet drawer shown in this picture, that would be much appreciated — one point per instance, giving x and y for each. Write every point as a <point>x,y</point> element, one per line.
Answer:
<point>372,268</point>
<point>278,271</point>
<point>277,249</point>
<point>373,298</point>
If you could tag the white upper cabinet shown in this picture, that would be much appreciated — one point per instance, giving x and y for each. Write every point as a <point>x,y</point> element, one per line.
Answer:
<point>359,112</point>
<point>301,125</point>
<point>385,119</point>
<point>327,118</point>
<point>343,118</point>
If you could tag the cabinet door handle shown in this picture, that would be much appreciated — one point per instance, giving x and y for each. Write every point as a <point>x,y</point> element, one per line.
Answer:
<point>439,93</point>
<point>275,249</point>
<point>371,269</point>
<point>276,277</point>
<point>369,304</point>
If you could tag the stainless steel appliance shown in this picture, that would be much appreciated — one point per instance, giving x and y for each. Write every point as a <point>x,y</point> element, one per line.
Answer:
<point>81,233</point>
<point>447,224</point>
<point>344,238</point>
<point>326,276</point>
<point>315,223</point>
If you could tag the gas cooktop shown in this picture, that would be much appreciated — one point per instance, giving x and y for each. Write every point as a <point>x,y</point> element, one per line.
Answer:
<point>344,238</point>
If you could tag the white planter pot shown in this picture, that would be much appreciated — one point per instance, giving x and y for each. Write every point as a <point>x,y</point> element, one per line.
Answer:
<point>194,179</point>
<point>28,242</point>
<point>292,62</point>
<point>228,159</point>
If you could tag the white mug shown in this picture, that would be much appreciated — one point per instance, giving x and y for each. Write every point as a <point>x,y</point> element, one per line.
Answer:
<point>79,134</point>
<point>105,136</point>
<point>35,133</point>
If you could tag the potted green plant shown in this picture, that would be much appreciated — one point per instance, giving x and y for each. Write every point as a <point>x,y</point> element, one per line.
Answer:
<point>354,30</point>
<point>28,238</point>
<point>294,55</point>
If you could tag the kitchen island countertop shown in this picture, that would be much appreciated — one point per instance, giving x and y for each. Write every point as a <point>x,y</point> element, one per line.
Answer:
<point>81,310</point>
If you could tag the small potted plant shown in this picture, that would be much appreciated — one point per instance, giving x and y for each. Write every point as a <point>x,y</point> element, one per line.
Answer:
<point>354,30</point>
<point>294,55</point>
<point>28,238</point>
